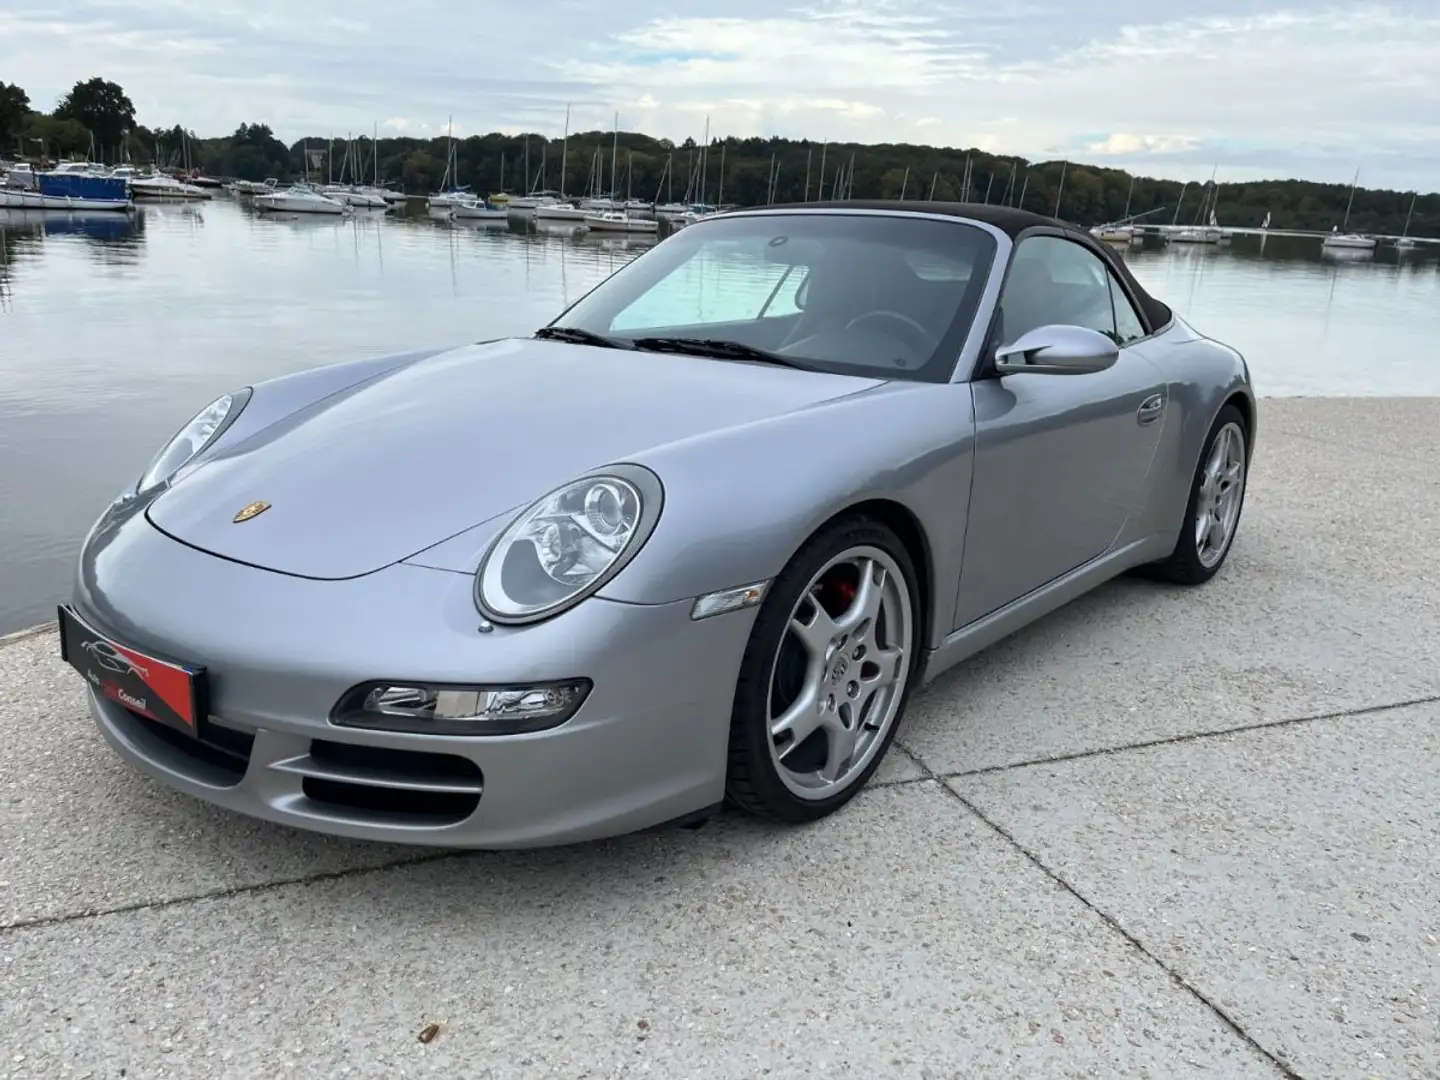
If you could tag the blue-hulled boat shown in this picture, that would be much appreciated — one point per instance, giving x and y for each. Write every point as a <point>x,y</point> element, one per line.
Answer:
<point>71,191</point>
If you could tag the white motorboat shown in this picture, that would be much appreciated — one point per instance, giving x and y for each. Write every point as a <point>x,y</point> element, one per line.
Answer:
<point>561,212</point>
<point>615,221</point>
<point>363,198</point>
<point>160,186</point>
<point>254,187</point>
<point>1351,240</point>
<point>1115,234</point>
<point>477,210</point>
<point>299,199</point>
<point>1197,235</point>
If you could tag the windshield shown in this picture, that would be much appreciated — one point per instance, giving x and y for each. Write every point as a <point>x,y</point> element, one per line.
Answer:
<point>866,294</point>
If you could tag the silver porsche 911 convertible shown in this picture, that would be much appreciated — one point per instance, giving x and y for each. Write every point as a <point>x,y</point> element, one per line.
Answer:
<point>697,541</point>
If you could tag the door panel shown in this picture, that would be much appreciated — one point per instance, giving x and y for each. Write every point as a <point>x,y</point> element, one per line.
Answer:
<point>1060,460</point>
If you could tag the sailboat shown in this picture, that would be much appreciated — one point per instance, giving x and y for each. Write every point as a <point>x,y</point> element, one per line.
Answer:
<point>1121,232</point>
<point>1210,233</point>
<point>615,220</point>
<point>563,209</point>
<point>1340,237</point>
<point>447,197</point>
<point>1407,241</point>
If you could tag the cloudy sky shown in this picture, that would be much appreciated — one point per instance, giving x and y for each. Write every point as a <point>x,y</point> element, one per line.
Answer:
<point>1166,87</point>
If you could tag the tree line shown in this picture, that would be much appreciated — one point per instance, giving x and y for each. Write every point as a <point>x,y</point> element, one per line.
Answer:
<point>97,118</point>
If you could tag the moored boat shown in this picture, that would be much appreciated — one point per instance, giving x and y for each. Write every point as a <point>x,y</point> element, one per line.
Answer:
<point>299,199</point>
<point>70,191</point>
<point>615,221</point>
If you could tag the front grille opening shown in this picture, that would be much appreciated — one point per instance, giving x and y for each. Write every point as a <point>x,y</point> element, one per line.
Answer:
<point>415,766</point>
<point>224,749</point>
<point>415,763</point>
<point>432,807</point>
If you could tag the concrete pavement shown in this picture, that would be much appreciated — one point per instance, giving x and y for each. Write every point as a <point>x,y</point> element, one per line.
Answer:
<point>1163,833</point>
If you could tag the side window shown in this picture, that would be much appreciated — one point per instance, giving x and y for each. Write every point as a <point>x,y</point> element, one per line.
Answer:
<point>1055,281</point>
<point>1128,326</point>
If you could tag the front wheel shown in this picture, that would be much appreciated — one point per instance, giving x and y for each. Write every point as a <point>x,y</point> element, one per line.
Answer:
<point>1217,494</point>
<point>826,674</point>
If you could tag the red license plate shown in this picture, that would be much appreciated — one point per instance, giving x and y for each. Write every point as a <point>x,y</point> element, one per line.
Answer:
<point>163,691</point>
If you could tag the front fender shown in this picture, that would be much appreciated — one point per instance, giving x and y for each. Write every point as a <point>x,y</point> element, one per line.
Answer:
<point>739,502</point>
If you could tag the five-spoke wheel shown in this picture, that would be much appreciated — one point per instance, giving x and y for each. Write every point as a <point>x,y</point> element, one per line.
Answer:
<point>826,674</point>
<point>1217,495</point>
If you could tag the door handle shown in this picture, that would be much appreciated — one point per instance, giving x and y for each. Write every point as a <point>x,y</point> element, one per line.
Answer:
<point>1150,409</point>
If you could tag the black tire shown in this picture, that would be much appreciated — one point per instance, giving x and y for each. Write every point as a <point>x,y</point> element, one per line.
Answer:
<point>753,782</point>
<point>1184,565</point>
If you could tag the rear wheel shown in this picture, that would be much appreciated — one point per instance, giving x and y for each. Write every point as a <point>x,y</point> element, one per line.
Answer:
<point>1217,495</point>
<point>826,674</point>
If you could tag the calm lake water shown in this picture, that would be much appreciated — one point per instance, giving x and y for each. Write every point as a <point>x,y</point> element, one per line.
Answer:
<point>113,332</point>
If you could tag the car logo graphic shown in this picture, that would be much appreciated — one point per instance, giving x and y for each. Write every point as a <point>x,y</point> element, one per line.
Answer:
<point>111,659</point>
<point>254,509</point>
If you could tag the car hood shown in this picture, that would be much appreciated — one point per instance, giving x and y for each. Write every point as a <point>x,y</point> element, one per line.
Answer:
<point>371,476</point>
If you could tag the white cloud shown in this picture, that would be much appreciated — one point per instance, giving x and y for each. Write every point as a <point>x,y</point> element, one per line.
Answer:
<point>1125,144</point>
<point>1263,88</point>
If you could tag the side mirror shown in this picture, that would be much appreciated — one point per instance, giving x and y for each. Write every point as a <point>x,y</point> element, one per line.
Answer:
<point>1057,350</point>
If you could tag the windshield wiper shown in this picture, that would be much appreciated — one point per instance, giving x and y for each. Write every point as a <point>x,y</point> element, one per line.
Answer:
<point>719,349</point>
<point>575,336</point>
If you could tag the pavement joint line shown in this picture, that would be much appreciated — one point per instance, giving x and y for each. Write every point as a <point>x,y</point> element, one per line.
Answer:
<point>1284,1068</point>
<point>1175,740</point>
<point>227,893</point>
<point>261,887</point>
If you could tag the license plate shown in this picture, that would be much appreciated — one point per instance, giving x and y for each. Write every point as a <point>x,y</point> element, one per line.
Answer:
<point>166,692</point>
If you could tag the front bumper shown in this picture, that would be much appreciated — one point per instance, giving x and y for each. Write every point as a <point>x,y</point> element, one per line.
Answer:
<point>647,746</point>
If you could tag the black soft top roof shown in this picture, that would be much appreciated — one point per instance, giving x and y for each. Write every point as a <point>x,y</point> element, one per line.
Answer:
<point>1012,222</point>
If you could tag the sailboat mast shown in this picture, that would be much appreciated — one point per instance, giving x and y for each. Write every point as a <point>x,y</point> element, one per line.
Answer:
<point>705,161</point>
<point>1406,231</point>
<point>1064,165</point>
<point>905,183</point>
<point>564,152</point>
<point>614,155</point>
<point>1351,202</point>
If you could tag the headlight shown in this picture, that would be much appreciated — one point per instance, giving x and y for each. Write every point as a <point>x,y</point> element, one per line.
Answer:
<point>567,545</point>
<point>194,437</point>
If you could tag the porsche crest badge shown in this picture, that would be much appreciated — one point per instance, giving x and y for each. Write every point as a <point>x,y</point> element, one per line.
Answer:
<point>254,509</point>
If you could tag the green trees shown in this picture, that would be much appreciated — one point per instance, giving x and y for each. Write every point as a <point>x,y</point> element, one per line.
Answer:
<point>102,107</point>
<point>14,108</point>
<point>752,171</point>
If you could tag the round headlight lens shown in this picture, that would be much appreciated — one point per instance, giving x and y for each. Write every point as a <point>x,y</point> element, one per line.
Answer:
<point>192,438</point>
<point>561,549</point>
